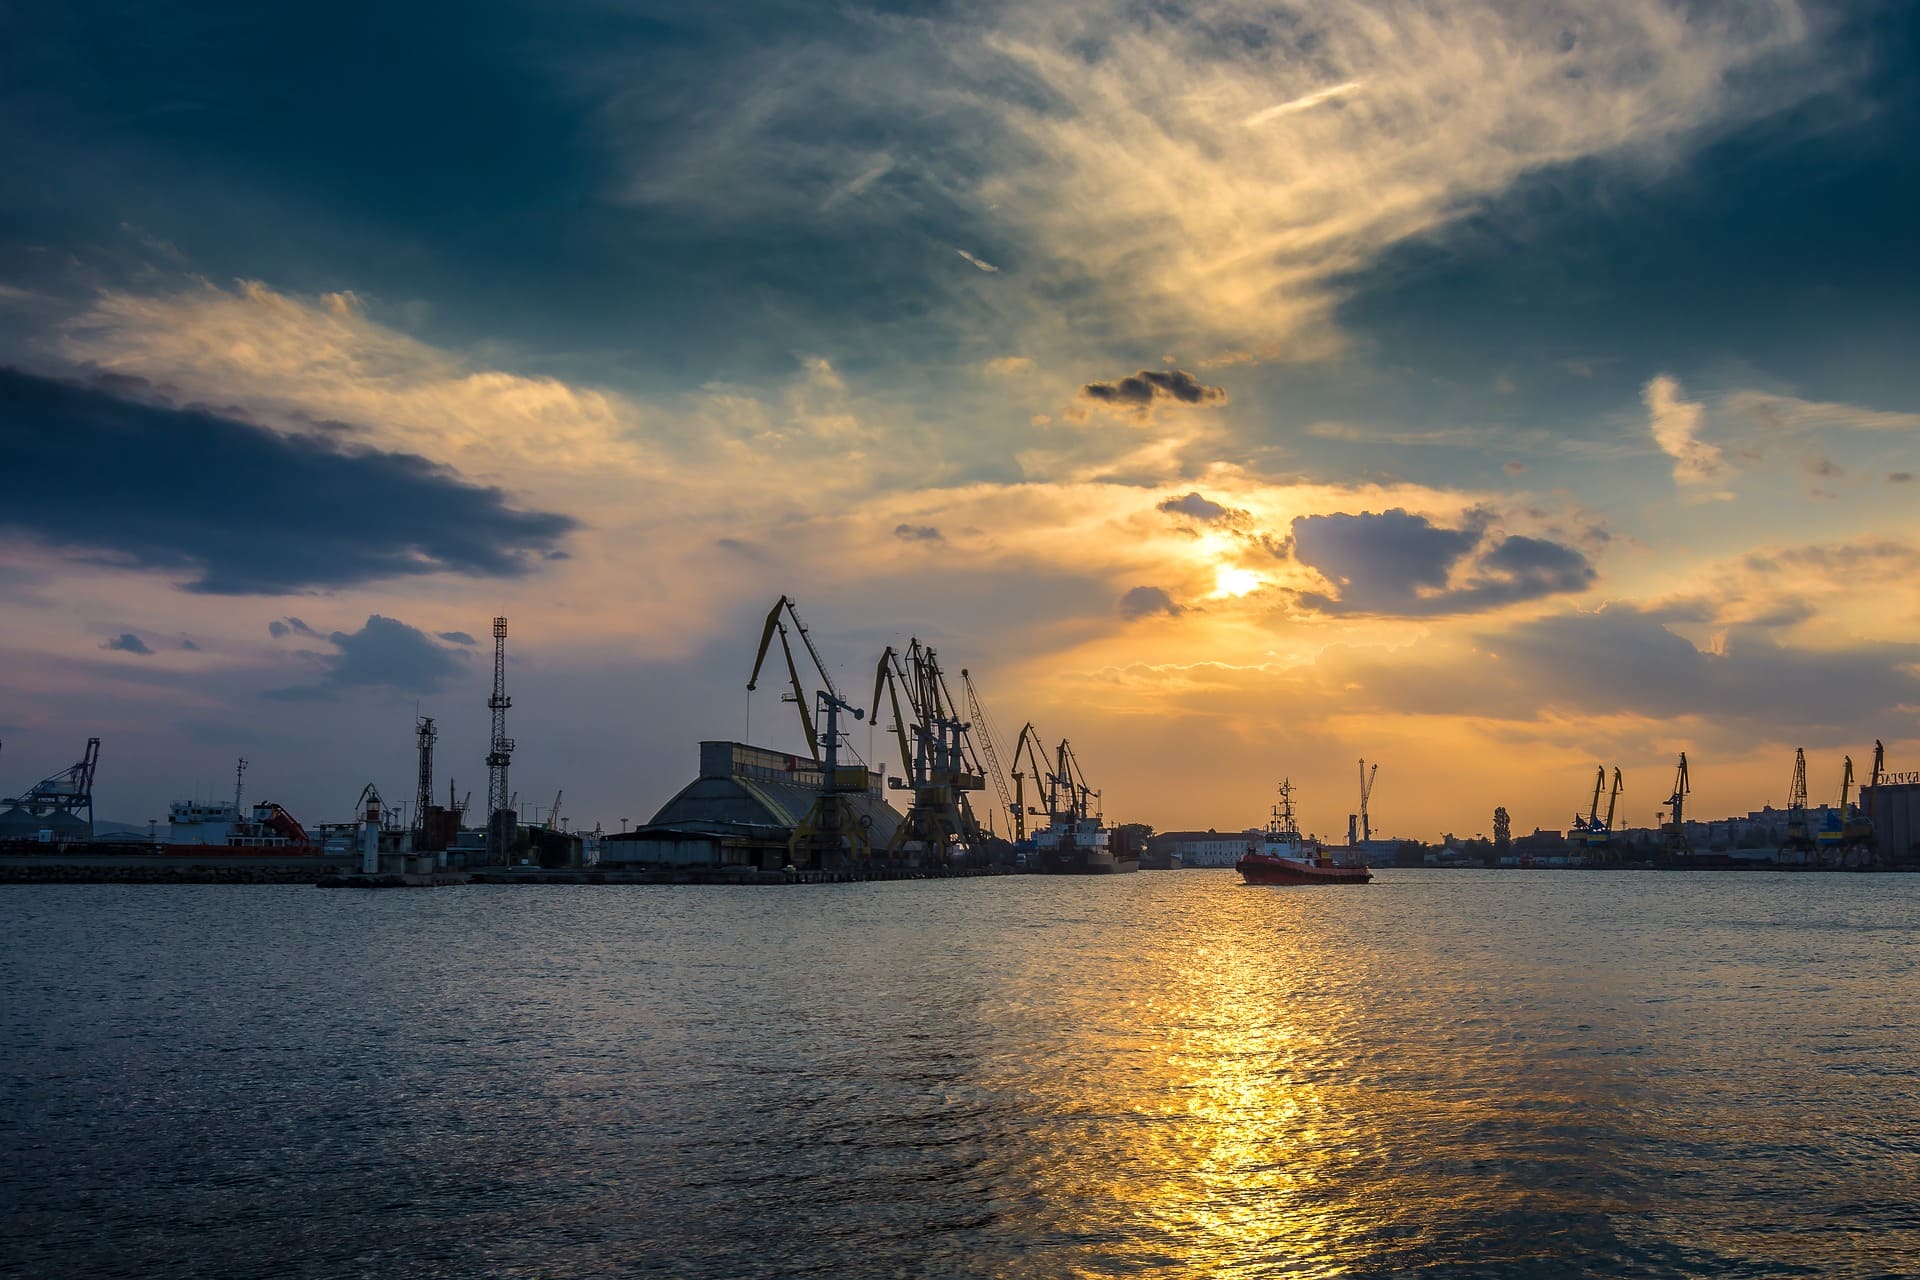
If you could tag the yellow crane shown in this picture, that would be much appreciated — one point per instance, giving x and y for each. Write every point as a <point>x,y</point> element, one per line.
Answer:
<point>832,830</point>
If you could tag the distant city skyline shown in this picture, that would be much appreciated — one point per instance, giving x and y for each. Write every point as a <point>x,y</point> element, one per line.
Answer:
<point>1238,390</point>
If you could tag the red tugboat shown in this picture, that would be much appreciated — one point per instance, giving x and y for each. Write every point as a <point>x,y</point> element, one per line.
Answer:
<point>1287,858</point>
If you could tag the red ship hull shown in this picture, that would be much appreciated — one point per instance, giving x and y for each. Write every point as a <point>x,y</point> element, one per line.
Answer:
<point>1264,868</point>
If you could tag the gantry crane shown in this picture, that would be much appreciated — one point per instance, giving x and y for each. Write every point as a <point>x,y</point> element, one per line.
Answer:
<point>67,793</point>
<point>832,832</point>
<point>1674,829</point>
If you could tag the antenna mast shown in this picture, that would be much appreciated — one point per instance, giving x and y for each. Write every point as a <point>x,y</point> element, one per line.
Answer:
<point>500,755</point>
<point>425,734</point>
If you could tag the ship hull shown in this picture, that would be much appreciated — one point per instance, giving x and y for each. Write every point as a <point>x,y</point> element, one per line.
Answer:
<point>1084,862</point>
<point>242,851</point>
<point>1260,868</point>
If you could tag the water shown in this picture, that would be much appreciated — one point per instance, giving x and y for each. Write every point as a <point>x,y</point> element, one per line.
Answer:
<point>1166,1074</point>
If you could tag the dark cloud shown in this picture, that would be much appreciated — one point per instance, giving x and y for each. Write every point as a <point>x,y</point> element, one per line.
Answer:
<point>1199,508</point>
<point>1142,602</point>
<point>456,637</point>
<point>189,645</point>
<point>238,510</point>
<point>917,533</point>
<point>1139,392</point>
<point>1397,563</point>
<point>1619,659</point>
<point>1899,477</point>
<point>290,625</point>
<point>127,642</point>
<point>385,652</point>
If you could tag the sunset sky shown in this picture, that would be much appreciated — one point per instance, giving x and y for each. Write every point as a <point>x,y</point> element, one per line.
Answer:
<point>1490,390</point>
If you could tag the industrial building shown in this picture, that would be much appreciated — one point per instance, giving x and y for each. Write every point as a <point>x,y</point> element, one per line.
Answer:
<point>743,810</point>
<point>1894,810</point>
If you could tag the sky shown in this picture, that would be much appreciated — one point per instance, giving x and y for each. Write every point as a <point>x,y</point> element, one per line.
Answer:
<point>1239,390</point>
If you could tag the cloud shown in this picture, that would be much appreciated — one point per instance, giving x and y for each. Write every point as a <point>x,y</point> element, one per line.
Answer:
<point>127,642</point>
<point>1401,564</point>
<point>1167,171</point>
<point>1675,424</point>
<point>187,644</point>
<point>1899,477</point>
<point>290,625</point>
<point>978,262</point>
<point>1629,662</point>
<point>204,497</point>
<point>384,653</point>
<point>1202,509</point>
<point>1142,602</point>
<point>917,533</point>
<point>310,365</point>
<point>1140,392</point>
<point>1782,414</point>
<point>456,637</point>
<point>1007,366</point>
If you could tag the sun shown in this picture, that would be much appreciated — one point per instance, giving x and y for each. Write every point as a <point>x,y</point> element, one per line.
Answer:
<point>1229,581</point>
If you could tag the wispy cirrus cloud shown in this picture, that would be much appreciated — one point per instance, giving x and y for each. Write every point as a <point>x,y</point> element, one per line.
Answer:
<point>1165,177</point>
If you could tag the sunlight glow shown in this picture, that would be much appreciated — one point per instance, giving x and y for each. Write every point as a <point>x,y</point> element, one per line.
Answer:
<point>1229,581</point>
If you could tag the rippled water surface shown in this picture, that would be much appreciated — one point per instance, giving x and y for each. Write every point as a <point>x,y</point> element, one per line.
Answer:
<point>1163,1074</point>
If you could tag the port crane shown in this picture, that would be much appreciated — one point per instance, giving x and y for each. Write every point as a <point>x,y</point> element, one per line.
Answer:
<point>1366,793</point>
<point>68,792</point>
<point>1846,829</point>
<point>1799,830</point>
<point>1597,832</point>
<point>832,831</point>
<point>1028,764</point>
<point>937,757</point>
<point>1674,828</point>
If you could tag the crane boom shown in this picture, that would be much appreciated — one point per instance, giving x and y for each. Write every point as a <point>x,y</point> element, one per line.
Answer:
<point>782,612</point>
<point>1366,793</point>
<point>1613,798</point>
<point>978,712</point>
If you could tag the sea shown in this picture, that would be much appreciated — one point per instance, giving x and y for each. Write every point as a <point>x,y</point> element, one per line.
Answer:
<point>1168,1074</point>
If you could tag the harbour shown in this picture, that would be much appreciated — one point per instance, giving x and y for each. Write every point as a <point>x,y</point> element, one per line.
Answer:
<point>1148,1075</point>
<point>759,815</point>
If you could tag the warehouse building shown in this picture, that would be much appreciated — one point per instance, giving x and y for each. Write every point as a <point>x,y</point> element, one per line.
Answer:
<point>742,811</point>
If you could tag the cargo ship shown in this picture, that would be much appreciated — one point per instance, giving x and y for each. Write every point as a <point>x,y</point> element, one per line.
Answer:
<point>203,829</point>
<point>1287,857</point>
<point>1076,842</point>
